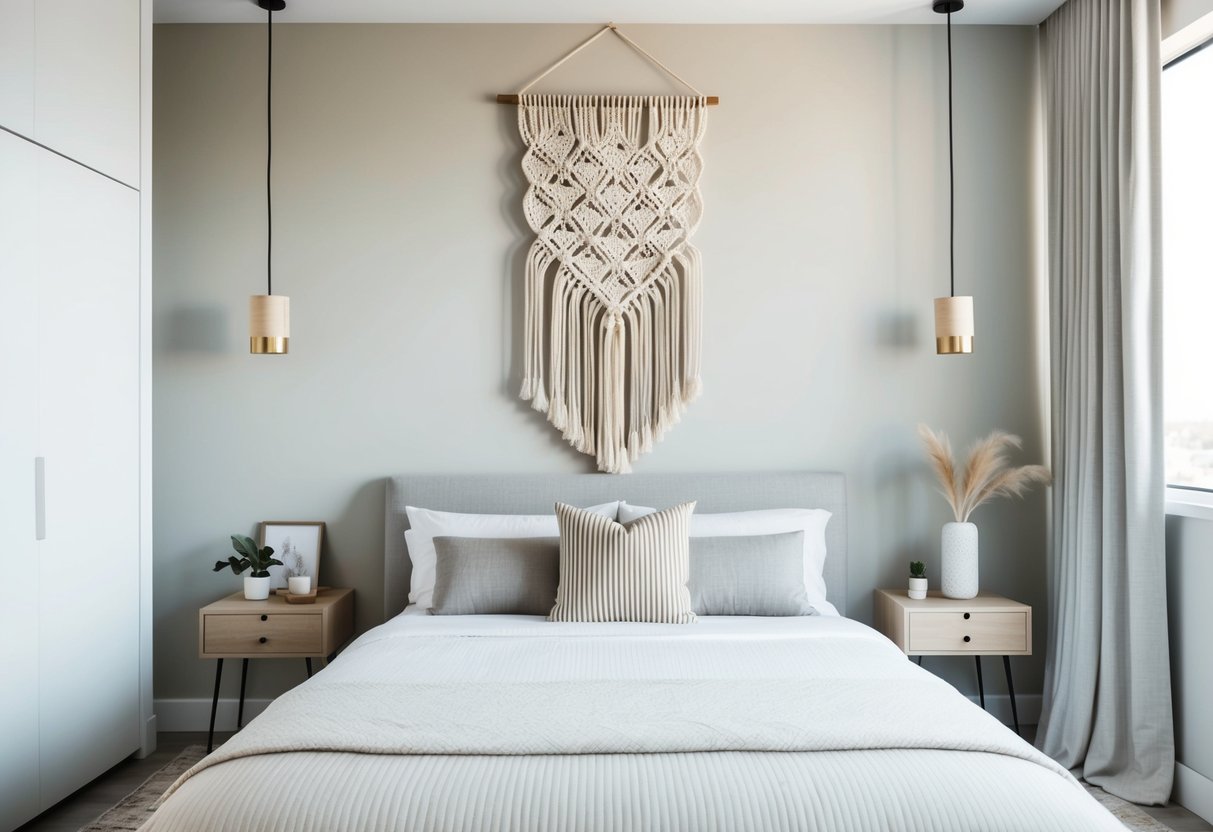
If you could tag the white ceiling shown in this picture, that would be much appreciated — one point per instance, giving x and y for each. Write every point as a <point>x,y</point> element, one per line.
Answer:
<point>600,11</point>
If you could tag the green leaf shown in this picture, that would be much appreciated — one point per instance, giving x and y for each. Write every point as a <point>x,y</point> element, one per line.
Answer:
<point>220,565</point>
<point>247,546</point>
<point>274,562</point>
<point>238,566</point>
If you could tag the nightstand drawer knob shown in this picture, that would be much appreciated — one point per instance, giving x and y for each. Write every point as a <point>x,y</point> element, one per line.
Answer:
<point>263,639</point>
<point>966,617</point>
<point>967,639</point>
<point>267,618</point>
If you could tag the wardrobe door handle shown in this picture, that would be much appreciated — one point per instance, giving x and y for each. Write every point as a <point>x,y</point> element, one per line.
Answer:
<point>966,616</point>
<point>967,639</point>
<point>39,498</point>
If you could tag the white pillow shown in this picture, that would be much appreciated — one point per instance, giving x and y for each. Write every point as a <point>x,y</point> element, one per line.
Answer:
<point>425,525</point>
<point>811,521</point>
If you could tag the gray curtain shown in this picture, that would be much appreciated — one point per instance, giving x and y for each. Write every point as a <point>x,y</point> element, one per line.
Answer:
<point>1107,697</point>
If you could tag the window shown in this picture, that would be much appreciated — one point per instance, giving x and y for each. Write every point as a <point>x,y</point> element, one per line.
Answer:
<point>1187,183</point>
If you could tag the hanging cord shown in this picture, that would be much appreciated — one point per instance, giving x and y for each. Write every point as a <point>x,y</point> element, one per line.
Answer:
<point>951,170</point>
<point>269,148</point>
<point>659,64</point>
<point>611,27</point>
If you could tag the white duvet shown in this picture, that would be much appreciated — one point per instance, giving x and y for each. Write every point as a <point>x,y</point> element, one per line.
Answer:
<point>635,726</point>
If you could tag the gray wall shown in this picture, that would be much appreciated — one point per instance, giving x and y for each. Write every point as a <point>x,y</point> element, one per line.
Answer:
<point>1189,576</point>
<point>399,238</point>
<point>1176,14</point>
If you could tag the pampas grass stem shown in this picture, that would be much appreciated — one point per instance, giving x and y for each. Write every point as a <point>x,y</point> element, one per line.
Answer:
<point>986,474</point>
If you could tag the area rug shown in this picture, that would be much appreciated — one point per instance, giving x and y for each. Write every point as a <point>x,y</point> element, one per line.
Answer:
<point>133,811</point>
<point>1131,815</point>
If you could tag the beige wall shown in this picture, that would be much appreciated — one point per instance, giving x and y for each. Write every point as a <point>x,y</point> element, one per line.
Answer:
<point>399,239</point>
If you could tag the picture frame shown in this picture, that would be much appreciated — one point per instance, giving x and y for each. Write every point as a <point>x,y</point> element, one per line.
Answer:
<point>297,544</point>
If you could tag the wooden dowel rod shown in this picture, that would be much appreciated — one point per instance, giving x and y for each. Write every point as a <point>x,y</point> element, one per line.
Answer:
<point>512,98</point>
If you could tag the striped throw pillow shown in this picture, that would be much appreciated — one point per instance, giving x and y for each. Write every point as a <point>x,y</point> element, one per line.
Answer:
<point>610,572</point>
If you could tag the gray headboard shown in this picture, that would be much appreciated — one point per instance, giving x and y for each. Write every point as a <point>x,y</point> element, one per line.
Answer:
<point>537,493</point>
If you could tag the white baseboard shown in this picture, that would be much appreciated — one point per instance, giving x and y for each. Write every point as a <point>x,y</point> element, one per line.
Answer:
<point>195,714</point>
<point>1193,791</point>
<point>999,706</point>
<point>147,741</point>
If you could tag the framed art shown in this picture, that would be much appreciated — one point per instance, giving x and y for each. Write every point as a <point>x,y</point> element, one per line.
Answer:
<point>297,544</point>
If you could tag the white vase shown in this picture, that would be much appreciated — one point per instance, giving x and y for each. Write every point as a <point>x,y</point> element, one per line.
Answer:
<point>918,589</point>
<point>256,589</point>
<point>299,584</point>
<point>958,571</point>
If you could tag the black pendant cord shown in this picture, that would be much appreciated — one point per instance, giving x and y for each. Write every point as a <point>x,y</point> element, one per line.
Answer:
<point>269,149</point>
<point>951,172</point>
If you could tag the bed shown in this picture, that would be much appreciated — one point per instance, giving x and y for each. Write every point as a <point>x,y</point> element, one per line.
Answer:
<point>478,722</point>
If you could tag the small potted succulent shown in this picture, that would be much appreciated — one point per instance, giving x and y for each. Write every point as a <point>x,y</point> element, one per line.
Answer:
<point>918,580</point>
<point>259,559</point>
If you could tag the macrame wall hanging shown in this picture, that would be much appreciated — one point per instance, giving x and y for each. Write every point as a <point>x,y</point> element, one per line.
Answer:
<point>614,288</point>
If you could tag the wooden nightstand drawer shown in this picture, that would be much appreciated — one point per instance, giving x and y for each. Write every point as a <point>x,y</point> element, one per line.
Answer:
<point>937,626</point>
<point>254,634</point>
<point>968,632</point>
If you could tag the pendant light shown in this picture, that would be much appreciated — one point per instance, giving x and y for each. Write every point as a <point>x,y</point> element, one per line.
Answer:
<point>953,315</point>
<point>269,315</point>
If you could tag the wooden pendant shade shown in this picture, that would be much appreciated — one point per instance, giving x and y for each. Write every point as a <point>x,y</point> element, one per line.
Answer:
<point>954,325</point>
<point>269,324</point>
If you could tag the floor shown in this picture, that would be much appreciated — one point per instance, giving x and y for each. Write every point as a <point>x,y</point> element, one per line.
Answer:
<point>89,802</point>
<point>86,804</point>
<point>1177,818</point>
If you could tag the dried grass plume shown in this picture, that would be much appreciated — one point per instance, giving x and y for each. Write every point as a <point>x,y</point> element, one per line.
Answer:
<point>987,472</point>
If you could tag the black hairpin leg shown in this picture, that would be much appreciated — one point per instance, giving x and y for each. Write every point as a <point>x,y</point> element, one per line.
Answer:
<point>981,689</point>
<point>920,661</point>
<point>1006,665</point>
<point>243,679</point>
<point>210,737</point>
<point>309,666</point>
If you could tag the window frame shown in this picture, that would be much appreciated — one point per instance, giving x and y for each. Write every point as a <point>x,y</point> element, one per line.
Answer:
<point>1188,500</point>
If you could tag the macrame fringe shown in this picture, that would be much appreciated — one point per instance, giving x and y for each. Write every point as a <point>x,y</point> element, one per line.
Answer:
<point>603,398</point>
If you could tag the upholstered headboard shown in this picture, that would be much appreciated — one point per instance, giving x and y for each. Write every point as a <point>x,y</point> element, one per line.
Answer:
<point>537,494</point>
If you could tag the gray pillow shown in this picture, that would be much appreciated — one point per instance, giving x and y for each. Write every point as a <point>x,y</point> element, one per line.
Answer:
<point>747,575</point>
<point>751,575</point>
<point>486,576</point>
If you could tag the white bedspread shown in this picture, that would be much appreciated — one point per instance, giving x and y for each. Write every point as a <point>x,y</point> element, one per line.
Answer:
<point>538,708</point>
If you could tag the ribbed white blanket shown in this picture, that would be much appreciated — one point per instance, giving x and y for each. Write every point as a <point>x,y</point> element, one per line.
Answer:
<point>515,699</point>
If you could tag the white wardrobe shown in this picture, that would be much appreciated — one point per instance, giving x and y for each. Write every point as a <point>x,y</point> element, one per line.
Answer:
<point>75,566</point>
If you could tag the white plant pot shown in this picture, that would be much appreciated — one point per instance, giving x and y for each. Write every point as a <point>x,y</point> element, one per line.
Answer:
<point>918,589</point>
<point>958,550</point>
<point>299,584</point>
<point>256,589</point>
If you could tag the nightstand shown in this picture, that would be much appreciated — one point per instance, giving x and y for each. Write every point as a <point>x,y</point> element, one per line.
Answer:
<point>233,628</point>
<point>988,625</point>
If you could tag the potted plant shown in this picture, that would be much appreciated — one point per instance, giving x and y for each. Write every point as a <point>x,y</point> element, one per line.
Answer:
<point>918,580</point>
<point>986,474</point>
<point>259,559</point>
